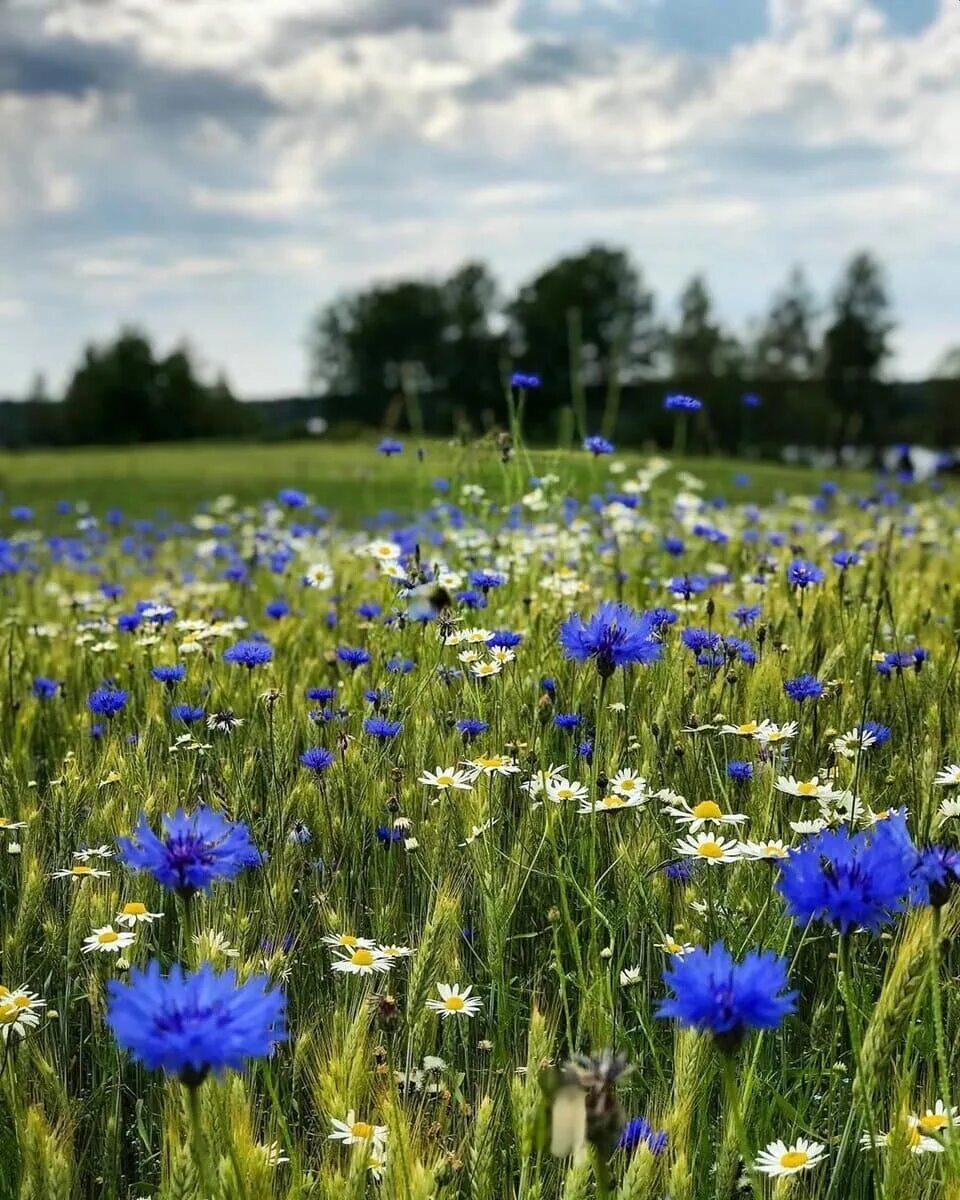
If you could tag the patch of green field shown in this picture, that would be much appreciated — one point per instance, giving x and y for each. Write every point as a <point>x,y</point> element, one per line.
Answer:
<point>349,477</point>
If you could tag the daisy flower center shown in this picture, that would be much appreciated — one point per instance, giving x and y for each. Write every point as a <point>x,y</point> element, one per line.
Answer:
<point>134,909</point>
<point>108,937</point>
<point>613,802</point>
<point>82,870</point>
<point>628,785</point>
<point>807,789</point>
<point>564,793</point>
<point>453,1003</point>
<point>710,850</point>
<point>794,1158</point>
<point>445,780</point>
<point>750,727</point>
<point>347,939</point>
<point>360,1129</point>
<point>708,808</point>
<point>362,958</point>
<point>933,1121</point>
<point>8,1014</point>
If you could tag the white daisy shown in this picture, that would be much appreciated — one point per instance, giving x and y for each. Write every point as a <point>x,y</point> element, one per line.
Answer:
<point>80,872</point>
<point>704,813</point>
<point>714,850</point>
<point>136,913</point>
<point>807,788</point>
<point>445,778</point>
<point>626,783</point>
<point>612,802</point>
<point>6,824</point>
<point>491,764</point>
<point>483,670</point>
<point>630,976</point>
<point>363,961</point>
<point>18,1011</point>
<point>538,784</point>
<point>561,789</point>
<point>318,575</point>
<point>455,1003</point>
<point>936,1119</point>
<point>948,776</point>
<point>777,1158</point>
<point>768,850</point>
<point>352,1132</point>
<point>391,950</point>
<point>477,831</point>
<point>108,940</point>
<point>670,945</point>
<point>748,729</point>
<point>346,941</point>
<point>916,1141</point>
<point>948,809</point>
<point>773,734</point>
<point>848,744</point>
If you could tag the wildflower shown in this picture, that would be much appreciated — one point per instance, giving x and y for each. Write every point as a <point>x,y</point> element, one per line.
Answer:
<point>6,824</point>
<point>630,976</point>
<point>626,783</point>
<point>801,574</point>
<point>346,941</point>
<point>186,713</point>
<point>477,831</point>
<point>491,764</point>
<point>917,1142</point>
<point>44,689</point>
<point>444,778</point>
<point>362,961</point>
<point>746,614</point>
<point>670,945</point>
<point>938,873</point>
<point>136,913</point>
<point>521,379</point>
<point>598,445</point>
<point>108,940</point>
<point>389,446</point>
<point>804,787</point>
<point>770,734</point>
<point>740,771</point>
<point>714,850</point>
<point>678,402</point>
<point>382,729</point>
<point>18,1011</point>
<point>319,576</point>
<point>455,1003</point>
<point>224,721</point>
<point>714,992</point>
<point>701,814</point>
<point>560,789</point>
<point>851,880</point>
<point>639,1132</point>
<point>777,1158</point>
<point>938,1118</point>
<point>747,729</point>
<point>391,950</point>
<point>948,776</point>
<point>192,1023</point>
<point>352,1132</point>
<point>770,850</point>
<point>170,675</point>
<point>483,670</point>
<point>804,687</point>
<point>614,636</point>
<point>848,745</point>
<point>248,654</point>
<point>317,759</point>
<point>353,656</point>
<point>80,872</point>
<point>194,850</point>
<point>106,701</point>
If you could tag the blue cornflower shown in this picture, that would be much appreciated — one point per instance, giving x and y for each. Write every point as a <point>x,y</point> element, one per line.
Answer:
<point>585,751</point>
<point>506,639</point>
<point>195,849</point>
<point>614,636</point>
<point>637,1132</point>
<point>678,402</point>
<point>320,693</point>
<point>397,665</point>
<point>128,622</point>
<point>186,713</point>
<point>804,687</point>
<point>850,880</point>
<point>369,609</point>
<point>938,874</point>
<point>376,696</point>
<point>471,727</point>
<point>750,400</point>
<point>801,573</point>
<point>845,558</point>
<point>879,733</point>
<point>380,728</point>
<point>192,1023</point>
<point>45,689</point>
<point>746,614</point>
<point>389,834</point>
<point>317,758</point>
<point>353,656</point>
<point>390,446</point>
<point>486,580</point>
<point>567,720</point>
<point>277,609</point>
<point>471,598</point>
<point>680,871</point>
<point>248,653</point>
<point>738,648</point>
<point>699,640</point>
<point>711,991</point>
<point>293,498</point>
<point>521,379</point>
<point>740,771</point>
<point>687,585</point>
<point>662,617</point>
<point>170,675</point>
<point>674,545</point>
<point>106,701</point>
<point>598,445</point>
<point>549,685</point>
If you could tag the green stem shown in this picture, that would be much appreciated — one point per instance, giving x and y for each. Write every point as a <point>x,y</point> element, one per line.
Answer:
<point>601,1170</point>
<point>734,1114</point>
<point>943,1065</point>
<point>199,1143</point>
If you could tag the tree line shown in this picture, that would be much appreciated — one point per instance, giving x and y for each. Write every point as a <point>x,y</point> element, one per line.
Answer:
<point>439,354</point>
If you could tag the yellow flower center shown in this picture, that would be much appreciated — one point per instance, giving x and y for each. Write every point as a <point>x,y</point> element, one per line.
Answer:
<point>108,937</point>
<point>82,870</point>
<point>775,736</point>
<point>774,851</point>
<point>489,760</point>
<point>794,1158</point>
<point>627,785</point>
<point>363,958</point>
<point>453,1003</point>
<point>932,1122</point>
<point>613,802</point>
<point>707,809</point>
<point>444,780</point>
<point>4,821</point>
<point>807,789</point>
<point>134,909</point>
<point>8,1014</point>
<point>346,939</point>
<point>750,727</point>
<point>671,946</point>
<point>563,793</point>
<point>360,1129</point>
<point>710,850</point>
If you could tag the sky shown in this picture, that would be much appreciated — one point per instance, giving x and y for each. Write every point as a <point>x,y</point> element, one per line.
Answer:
<point>217,170</point>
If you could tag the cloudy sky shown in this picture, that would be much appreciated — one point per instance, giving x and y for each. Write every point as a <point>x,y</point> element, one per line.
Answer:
<point>219,168</point>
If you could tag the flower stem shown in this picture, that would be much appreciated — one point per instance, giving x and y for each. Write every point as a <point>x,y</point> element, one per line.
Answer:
<point>601,1170</point>
<point>732,1099</point>
<point>199,1143</point>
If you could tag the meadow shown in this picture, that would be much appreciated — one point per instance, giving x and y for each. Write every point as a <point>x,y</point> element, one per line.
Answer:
<point>585,828</point>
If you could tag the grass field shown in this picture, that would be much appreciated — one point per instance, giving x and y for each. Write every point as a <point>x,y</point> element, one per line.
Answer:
<point>434,846</point>
<point>350,478</point>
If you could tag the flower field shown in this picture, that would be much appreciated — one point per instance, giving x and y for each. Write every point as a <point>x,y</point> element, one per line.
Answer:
<point>576,836</point>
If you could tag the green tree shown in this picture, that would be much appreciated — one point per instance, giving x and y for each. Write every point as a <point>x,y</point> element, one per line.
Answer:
<point>472,348</point>
<point>785,347</point>
<point>601,295</point>
<point>948,365</point>
<point>698,347</point>
<point>856,344</point>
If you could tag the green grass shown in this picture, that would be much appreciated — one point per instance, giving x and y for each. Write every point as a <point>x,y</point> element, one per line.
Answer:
<point>558,902</point>
<point>351,478</point>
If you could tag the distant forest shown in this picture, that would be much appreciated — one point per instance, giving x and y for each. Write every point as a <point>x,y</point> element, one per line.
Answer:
<point>436,355</point>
